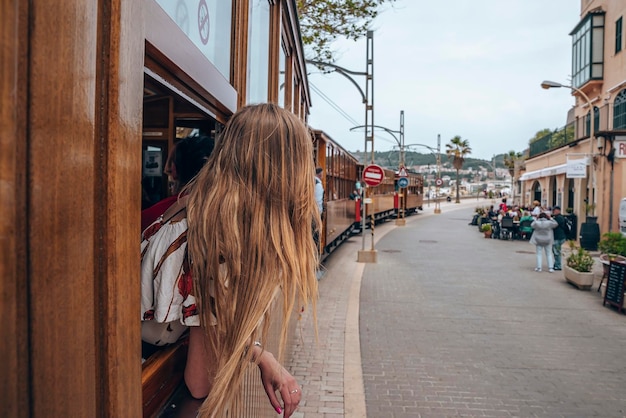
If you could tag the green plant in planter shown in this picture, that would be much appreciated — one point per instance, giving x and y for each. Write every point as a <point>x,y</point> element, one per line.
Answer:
<point>590,208</point>
<point>569,211</point>
<point>485,227</point>
<point>613,243</point>
<point>580,259</point>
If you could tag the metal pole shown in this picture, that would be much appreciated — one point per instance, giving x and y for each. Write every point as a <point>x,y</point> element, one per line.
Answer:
<point>369,127</point>
<point>403,190</point>
<point>437,205</point>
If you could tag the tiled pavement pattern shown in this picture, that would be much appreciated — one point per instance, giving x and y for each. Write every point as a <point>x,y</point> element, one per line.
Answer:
<point>453,324</point>
<point>318,365</point>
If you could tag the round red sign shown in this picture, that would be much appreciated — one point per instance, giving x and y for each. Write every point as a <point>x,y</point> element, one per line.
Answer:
<point>373,175</point>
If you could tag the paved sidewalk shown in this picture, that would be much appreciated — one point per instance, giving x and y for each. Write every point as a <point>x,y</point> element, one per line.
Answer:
<point>453,324</point>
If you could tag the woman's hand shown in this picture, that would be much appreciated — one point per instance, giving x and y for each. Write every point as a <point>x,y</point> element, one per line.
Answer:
<point>276,378</point>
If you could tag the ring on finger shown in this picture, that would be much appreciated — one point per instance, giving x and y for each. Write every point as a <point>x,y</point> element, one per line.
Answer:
<point>293,391</point>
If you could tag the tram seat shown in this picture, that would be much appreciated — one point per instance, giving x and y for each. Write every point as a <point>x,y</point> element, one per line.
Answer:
<point>161,375</point>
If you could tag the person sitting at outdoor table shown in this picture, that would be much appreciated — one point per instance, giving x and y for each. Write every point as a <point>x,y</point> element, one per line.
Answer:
<point>524,227</point>
<point>492,213</point>
<point>514,213</point>
<point>536,209</point>
<point>503,205</point>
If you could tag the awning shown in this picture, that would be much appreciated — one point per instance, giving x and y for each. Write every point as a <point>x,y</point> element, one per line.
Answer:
<point>544,172</point>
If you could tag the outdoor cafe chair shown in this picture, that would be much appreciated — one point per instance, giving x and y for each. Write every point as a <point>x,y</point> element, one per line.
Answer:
<point>507,227</point>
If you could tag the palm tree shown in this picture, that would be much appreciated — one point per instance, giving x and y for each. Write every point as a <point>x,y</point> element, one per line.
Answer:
<point>509,162</point>
<point>510,158</point>
<point>456,150</point>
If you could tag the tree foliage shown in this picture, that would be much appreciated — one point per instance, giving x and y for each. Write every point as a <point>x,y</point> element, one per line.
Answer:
<point>456,150</point>
<point>540,134</point>
<point>510,158</point>
<point>323,21</point>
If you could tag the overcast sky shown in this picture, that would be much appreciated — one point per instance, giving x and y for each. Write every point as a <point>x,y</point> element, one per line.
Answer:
<point>456,67</point>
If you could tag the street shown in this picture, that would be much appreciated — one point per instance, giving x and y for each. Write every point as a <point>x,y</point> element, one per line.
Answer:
<point>453,324</point>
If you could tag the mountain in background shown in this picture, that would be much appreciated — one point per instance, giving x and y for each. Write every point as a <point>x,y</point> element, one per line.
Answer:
<point>391,159</point>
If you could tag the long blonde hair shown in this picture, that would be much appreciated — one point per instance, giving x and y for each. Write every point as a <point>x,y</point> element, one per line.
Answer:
<point>250,214</point>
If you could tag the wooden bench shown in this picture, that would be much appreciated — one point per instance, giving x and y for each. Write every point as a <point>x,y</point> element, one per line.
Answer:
<point>162,373</point>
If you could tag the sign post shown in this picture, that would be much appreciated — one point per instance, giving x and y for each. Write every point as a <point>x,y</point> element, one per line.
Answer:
<point>403,183</point>
<point>373,175</point>
<point>438,183</point>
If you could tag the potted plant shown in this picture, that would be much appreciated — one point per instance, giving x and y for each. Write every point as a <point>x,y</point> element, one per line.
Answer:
<point>612,244</point>
<point>590,208</point>
<point>578,268</point>
<point>590,230</point>
<point>486,229</point>
<point>613,248</point>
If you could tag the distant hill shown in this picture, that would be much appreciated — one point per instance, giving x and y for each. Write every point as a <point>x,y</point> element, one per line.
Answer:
<point>391,159</point>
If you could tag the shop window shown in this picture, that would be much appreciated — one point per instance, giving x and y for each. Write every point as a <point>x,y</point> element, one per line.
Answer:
<point>618,35</point>
<point>588,49</point>
<point>619,111</point>
<point>596,121</point>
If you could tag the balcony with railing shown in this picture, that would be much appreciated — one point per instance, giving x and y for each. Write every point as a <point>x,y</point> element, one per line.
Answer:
<point>570,133</point>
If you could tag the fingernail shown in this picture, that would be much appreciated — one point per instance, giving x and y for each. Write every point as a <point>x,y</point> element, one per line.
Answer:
<point>278,410</point>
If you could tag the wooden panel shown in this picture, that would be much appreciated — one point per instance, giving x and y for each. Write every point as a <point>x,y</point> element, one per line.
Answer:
<point>84,199</point>
<point>161,374</point>
<point>118,206</point>
<point>61,209</point>
<point>239,55</point>
<point>13,288</point>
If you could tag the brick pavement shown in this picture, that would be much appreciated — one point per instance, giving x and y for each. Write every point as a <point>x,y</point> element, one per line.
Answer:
<point>452,324</point>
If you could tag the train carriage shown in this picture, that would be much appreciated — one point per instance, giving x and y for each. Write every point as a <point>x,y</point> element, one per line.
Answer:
<point>341,171</point>
<point>388,198</point>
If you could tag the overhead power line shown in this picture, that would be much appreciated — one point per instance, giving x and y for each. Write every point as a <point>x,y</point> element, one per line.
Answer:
<point>332,104</point>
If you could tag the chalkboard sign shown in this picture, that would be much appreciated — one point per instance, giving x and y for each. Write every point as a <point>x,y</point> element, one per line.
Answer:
<point>615,285</point>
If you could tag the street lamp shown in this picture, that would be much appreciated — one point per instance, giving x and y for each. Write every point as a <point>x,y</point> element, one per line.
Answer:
<point>368,99</point>
<point>592,135</point>
<point>400,221</point>
<point>438,159</point>
<point>390,132</point>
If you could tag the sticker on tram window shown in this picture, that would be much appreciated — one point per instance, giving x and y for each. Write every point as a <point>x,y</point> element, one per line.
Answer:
<point>152,164</point>
<point>207,24</point>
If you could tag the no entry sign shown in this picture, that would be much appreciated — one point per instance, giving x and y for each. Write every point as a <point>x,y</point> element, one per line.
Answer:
<point>373,175</point>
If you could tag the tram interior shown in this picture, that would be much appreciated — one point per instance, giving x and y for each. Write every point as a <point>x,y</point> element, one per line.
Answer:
<point>167,118</point>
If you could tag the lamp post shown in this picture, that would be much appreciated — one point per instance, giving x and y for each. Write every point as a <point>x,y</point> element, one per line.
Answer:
<point>438,159</point>
<point>592,134</point>
<point>368,99</point>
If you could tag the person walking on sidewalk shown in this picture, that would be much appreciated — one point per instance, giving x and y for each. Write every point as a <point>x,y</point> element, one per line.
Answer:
<point>559,236</point>
<point>543,238</point>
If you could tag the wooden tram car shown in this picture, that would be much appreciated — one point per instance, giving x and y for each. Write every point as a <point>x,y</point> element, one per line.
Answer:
<point>342,214</point>
<point>341,171</point>
<point>390,201</point>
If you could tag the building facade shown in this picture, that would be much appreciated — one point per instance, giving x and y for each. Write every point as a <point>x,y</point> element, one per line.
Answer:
<point>581,171</point>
